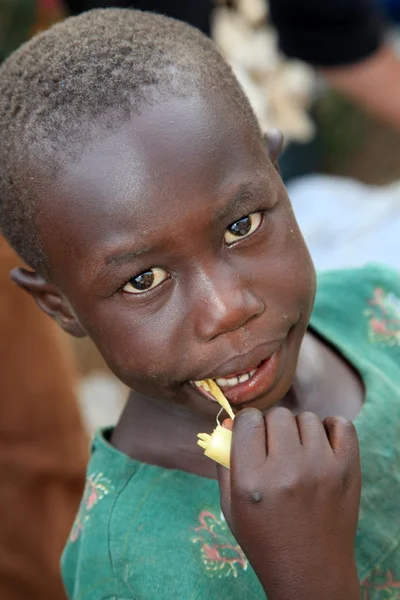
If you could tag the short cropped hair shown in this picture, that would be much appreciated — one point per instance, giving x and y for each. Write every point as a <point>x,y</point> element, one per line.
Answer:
<point>95,69</point>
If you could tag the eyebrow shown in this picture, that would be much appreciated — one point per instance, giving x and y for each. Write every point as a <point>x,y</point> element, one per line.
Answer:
<point>238,201</point>
<point>117,259</point>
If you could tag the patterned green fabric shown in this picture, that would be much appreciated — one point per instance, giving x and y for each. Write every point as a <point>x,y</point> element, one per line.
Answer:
<point>147,533</point>
<point>16,22</point>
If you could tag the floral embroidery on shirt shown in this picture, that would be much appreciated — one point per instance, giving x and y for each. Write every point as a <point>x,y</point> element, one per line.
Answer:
<point>96,488</point>
<point>382,585</point>
<point>384,318</point>
<point>220,554</point>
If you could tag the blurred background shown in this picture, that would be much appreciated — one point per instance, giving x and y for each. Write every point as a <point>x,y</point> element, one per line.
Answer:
<point>341,165</point>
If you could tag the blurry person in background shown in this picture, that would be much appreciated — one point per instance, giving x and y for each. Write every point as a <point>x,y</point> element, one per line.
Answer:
<point>343,39</point>
<point>43,447</point>
<point>346,41</point>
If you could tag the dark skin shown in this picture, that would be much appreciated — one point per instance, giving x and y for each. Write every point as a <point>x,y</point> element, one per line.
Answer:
<point>161,193</point>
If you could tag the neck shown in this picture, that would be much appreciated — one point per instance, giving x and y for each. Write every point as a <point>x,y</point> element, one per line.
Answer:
<point>157,433</point>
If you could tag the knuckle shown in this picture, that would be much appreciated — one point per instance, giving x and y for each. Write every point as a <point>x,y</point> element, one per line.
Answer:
<point>308,414</point>
<point>342,431</point>
<point>343,423</point>
<point>249,420</point>
<point>250,412</point>
<point>290,484</point>
<point>280,413</point>
<point>249,492</point>
<point>308,418</point>
<point>349,438</point>
<point>330,422</point>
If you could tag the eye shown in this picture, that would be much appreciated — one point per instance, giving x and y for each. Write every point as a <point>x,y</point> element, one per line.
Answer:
<point>243,228</point>
<point>146,281</point>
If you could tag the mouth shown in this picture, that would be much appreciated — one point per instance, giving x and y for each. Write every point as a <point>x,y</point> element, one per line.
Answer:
<point>244,386</point>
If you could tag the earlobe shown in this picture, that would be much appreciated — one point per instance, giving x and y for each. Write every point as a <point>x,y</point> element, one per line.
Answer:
<point>48,298</point>
<point>273,142</point>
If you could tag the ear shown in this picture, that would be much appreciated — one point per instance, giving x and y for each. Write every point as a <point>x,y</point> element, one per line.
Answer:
<point>49,299</point>
<point>273,142</point>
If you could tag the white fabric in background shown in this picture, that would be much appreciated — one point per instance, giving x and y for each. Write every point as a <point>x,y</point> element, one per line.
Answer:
<point>347,223</point>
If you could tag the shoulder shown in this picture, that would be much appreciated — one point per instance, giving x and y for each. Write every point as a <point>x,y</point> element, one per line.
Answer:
<point>86,558</point>
<point>360,308</point>
<point>366,276</point>
<point>352,289</point>
<point>88,544</point>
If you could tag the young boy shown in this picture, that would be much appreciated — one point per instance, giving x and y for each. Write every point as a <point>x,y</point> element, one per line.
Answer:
<point>135,182</point>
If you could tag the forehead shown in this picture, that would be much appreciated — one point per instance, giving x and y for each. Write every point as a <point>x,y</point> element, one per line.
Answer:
<point>172,160</point>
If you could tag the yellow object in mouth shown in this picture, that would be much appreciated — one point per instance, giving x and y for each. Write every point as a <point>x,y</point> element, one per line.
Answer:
<point>217,446</point>
<point>220,398</point>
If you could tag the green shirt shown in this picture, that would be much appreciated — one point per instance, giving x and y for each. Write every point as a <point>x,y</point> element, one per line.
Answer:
<point>148,533</point>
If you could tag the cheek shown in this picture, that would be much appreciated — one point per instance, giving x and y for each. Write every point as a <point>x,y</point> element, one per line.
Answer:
<point>289,280</point>
<point>304,276</point>
<point>299,268</point>
<point>139,346</point>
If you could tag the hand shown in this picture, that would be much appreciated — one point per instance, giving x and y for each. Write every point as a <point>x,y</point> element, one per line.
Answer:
<point>291,500</point>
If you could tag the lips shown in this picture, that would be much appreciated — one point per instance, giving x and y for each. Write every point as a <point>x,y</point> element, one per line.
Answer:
<point>242,363</point>
<point>242,386</point>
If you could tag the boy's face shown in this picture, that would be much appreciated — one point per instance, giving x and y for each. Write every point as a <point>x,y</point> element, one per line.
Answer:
<point>175,245</point>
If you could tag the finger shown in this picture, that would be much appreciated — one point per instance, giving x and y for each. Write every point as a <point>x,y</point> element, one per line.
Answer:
<point>249,442</point>
<point>312,432</point>
<point>228,424</point>
<point>343,439</point>
<point>342,436</point>
<point>224,480</point>
<point>282,432</point>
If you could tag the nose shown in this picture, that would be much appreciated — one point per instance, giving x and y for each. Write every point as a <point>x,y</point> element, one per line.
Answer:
<point>224,303</point>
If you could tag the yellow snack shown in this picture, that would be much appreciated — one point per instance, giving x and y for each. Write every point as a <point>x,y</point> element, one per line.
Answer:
<point>217,446</point>
<point>220,398</point>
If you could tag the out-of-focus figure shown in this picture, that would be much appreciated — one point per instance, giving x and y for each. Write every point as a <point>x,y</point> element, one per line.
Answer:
<point>344,40</point>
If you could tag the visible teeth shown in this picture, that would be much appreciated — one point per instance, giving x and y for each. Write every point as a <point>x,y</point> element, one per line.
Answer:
<point>244,377</point>
<point>222,382</point>
<point>231,381</point>
<point>226,382</point>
